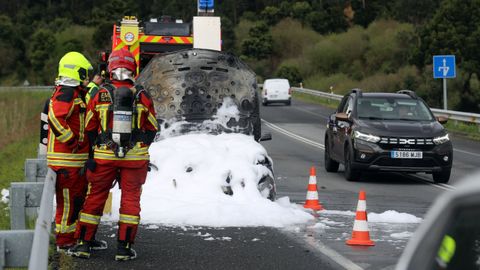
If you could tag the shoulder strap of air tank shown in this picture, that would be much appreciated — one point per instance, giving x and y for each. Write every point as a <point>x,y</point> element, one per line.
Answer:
<point>110,88</point>
<point>139,89</point>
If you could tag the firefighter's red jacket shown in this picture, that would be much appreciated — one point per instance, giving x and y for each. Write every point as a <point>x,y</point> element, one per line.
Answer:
<point>67,144</point>
<point>100,117</point>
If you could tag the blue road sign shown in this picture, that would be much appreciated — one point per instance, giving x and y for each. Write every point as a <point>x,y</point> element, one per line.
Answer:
<point>444,66</point>
<point>205,4</point>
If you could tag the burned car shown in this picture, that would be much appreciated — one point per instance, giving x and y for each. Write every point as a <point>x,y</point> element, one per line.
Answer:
<point>206,92</point>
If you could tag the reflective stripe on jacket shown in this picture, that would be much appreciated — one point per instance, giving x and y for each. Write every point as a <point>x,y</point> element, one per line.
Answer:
<point>67,145</point>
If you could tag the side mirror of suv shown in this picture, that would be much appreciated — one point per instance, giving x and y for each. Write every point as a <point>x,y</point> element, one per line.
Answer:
<point>442,119</point>
<point>342,117</point>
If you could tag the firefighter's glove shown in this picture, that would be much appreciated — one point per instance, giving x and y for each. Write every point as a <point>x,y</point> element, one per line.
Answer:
<point>90,164</point>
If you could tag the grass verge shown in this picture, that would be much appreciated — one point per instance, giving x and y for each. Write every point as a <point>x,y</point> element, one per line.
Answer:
<point>12,160</point>
<point>330,103</point>
<point>470,131</point>
<point>19,127</point>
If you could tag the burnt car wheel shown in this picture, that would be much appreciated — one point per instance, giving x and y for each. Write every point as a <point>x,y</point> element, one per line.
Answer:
<point>442,177</point>
<point>257,122</point>
<point>266,186</point>
<point>330,164</point>
<point>350,174</point>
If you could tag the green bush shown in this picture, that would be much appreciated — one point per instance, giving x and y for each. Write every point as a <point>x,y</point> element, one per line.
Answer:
<point>291,40</point>
<point>325,57</point>
<point>386,54</point>
<point>291,73</point>
<point>241,32</point>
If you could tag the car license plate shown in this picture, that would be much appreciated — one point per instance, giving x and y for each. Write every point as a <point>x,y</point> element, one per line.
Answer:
<point>273,96</point>
<point>406,154</point>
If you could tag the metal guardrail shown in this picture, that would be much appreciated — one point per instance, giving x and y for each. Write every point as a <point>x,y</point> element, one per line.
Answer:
<point>317,93</point>
<point>19,246</point>
<point>472,118</point>
<point>458,116</point>
<point>39,87</point>
<point>41,238</point>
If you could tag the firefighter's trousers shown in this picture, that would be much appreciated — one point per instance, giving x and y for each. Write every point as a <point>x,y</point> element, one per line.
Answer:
<point>70,192</point>
<point>131,176</point>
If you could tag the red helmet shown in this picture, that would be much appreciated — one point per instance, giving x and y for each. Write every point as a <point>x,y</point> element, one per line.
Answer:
<point>122,59</point>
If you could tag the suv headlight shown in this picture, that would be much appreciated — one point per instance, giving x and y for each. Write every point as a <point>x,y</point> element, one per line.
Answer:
<point>441,139</point>
<point>366,137</point>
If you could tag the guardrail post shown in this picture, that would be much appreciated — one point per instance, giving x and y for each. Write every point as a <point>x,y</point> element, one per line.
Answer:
<point>23,197</point>
<point>17,207</point>
<point>15,248</point>
<point>2,253</point>
<point>30,171</point>
<point>35,170</point>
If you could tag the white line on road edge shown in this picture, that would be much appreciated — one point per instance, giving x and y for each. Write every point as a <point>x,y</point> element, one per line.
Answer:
<point>420,178</point>
<point>466,152</point>
<point>294,136</point>
<point>321,146</point>
<point>326,251</point>
<point>312,113</point>
<point>335,256</point>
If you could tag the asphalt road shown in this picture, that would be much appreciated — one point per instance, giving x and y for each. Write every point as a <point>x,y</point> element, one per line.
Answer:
<point>297,145</point>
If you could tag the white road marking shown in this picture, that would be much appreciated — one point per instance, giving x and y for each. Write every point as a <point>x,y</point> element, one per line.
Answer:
<point>466,152</point>
<point>293,135</point>
<point>318,246</point>
<point>322,147</point>
<point>423,179</point>
<point>309,112</point>
<point>335,256</point>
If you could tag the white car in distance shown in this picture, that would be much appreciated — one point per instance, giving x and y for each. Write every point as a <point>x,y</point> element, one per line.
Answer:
<point>276,91</point>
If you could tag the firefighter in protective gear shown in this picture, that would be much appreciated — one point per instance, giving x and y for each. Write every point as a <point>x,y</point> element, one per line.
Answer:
<point>67,148</point>
<point>121,123</point>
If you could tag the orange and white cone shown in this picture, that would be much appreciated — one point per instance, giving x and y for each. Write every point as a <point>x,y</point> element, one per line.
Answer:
<point>361,234</point>
<point>312,194</point>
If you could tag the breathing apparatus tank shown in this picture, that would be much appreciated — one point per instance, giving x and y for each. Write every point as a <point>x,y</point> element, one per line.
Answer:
<point>123,102</point>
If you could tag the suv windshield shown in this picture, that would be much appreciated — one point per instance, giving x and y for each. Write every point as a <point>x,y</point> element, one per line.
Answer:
<point>392,108</point>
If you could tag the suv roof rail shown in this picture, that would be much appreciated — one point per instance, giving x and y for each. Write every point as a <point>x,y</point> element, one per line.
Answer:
<point>357,91</point>
<point>411,93</point>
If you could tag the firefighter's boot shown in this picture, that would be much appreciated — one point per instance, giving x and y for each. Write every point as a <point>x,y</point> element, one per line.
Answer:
<point>125,251</point>
<point>81,250</point>
<point>98,244</point>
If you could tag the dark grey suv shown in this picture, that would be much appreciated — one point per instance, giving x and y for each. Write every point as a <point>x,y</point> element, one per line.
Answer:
<point>390,132</point>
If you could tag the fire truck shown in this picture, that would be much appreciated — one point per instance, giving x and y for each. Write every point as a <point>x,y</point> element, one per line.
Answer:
<point>149,38</point>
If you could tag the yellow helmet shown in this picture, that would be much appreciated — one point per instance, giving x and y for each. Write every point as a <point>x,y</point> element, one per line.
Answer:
<point>74,65</point>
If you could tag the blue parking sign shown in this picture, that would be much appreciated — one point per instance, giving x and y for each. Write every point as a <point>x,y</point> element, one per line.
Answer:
<point>444,66</point>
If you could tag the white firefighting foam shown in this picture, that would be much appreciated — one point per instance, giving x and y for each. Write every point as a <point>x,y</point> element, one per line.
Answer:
<point>187,187</point>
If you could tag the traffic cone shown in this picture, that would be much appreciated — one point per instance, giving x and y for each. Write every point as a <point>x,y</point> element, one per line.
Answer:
<point>360,234</point>
<point>312,193</point>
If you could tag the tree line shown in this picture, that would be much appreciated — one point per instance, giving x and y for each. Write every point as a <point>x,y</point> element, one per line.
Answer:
<point>34,35</point>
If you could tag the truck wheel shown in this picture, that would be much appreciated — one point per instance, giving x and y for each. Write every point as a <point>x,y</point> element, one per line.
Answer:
<point>442,177</point>
<point>330,164</point>
<point>350,174</point>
